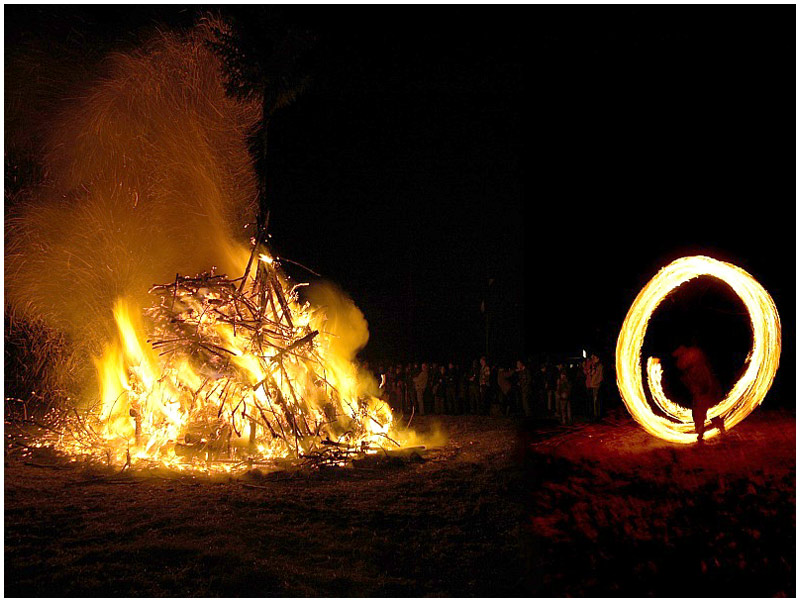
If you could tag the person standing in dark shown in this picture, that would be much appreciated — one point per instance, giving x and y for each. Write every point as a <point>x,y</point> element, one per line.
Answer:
<point>420,387</point>
<point>525,388</point>
<point>593,369</point>
<point>563,396</point>
<point>411,393</point>
<point>485,382</point>
<point>549,380</point>
<point>579,391</point>
<point>494,391</point>
<point>474,387</point>
<point>451,389</point>
<point>704,388</point>
<point>439,387</point>
<point>504,388</point>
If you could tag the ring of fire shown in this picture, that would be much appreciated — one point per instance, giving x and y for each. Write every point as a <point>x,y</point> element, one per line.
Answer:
<point>676,424</point>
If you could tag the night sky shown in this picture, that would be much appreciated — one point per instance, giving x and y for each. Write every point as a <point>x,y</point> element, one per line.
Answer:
<point>565,153</point>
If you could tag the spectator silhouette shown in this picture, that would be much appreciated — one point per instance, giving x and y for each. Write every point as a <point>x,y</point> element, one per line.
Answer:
<point>420,386</point>
<point>563,393</point>
<point>439,386</point>
<point>525,386</point>
<point>485,380</point>
<point>549,381</point>
<point>473,388</point>
<point>451,389</point>
<point>505,389</point>
<point>593,369</point>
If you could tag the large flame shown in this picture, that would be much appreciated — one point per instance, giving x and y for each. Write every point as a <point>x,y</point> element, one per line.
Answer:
<point>224,396</point>
<point>148,174</point>
<point>676,424</point>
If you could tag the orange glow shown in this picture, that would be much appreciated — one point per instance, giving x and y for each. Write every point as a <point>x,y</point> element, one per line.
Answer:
<point>762,361</point>
<point>226,388</point>
<point>149,174</point>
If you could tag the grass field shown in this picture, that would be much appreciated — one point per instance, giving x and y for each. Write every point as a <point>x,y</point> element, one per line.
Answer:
<point>504,508</point>
<point>448,525</point>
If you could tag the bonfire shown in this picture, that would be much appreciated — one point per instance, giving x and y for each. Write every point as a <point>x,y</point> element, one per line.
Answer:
<point>232,372</point>
<point>149,173</point>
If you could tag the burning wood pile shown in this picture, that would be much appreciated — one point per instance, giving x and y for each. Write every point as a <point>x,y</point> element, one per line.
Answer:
<point>218,371</point>
<point>233,372</point>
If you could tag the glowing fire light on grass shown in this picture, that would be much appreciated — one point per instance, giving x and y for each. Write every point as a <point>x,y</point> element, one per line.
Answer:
<point>676,424</point>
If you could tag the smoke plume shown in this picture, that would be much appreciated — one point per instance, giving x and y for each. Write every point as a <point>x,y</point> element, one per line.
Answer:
<point>146,174</point>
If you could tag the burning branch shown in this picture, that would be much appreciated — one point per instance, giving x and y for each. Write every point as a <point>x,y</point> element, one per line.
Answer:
<point>235,370</point>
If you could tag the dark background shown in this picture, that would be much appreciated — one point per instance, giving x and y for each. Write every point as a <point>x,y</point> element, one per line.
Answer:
<point>565,153</point>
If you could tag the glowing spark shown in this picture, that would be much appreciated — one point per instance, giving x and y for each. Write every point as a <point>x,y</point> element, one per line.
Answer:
<point>762,362</point>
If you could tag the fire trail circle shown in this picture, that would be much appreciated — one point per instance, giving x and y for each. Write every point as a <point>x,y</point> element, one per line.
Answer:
<point>676,423</point>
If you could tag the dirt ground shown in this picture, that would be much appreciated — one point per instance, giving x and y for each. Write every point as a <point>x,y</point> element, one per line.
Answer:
<point>446,526</point>
<point>616,512</point>
<point>505,508</point>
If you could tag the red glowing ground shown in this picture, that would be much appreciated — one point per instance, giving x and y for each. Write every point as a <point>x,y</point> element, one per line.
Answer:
<point>616,511</point>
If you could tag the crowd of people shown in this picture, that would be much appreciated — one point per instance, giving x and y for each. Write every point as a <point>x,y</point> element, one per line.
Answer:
<point>525,389</point>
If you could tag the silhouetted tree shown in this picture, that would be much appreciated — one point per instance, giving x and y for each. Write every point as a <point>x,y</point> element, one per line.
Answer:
<point>264,55</point>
